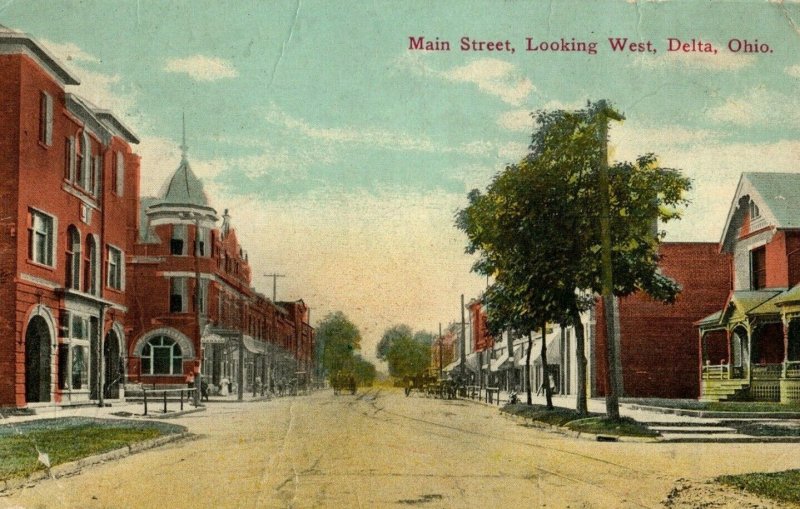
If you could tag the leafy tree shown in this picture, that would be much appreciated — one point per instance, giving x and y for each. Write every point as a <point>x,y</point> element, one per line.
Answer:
<point>341,339</point>
<point>408,357</point>
<point>389,336</point>
<point>364,371</point>
<point>536,229</point>
<point>425,338</point>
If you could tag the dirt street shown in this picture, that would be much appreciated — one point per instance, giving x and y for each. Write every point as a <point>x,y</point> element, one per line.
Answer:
<point>381,449</point>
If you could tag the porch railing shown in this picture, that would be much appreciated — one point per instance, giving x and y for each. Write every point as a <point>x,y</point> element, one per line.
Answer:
<point>767,371</point>
<point>791,369</point>
<point>717,372</point>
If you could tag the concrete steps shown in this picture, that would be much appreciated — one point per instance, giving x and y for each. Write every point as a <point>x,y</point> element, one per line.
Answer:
<point>723,390</point>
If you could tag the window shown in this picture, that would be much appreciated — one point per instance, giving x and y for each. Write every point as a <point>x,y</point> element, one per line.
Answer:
<point>203,296</point>
<point>80,151</point>
<point>202,239</point>
<point>119,173</point>
<point>754,212</point>
<point>46,119</point>
<point>177,244</point>
<point>758,268</point>
<point>90,267</point>
<point>114,268</point>
<point>73,352</point>
<point>94,187</point>
<point>177,295</point>
<point>162,356</point>
<point>73,267</point>
<point>69,159</point>
<point>40,243</point>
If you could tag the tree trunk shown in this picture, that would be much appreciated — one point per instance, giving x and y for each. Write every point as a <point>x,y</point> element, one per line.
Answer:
<point>580,356</point>
<point>512,378</point>
<point>527,368</point>
<point>548,390</point>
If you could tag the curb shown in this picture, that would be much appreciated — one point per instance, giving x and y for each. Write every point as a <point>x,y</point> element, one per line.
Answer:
<point>714,414</point>
<point>75,467</point>
<point>578,434</point>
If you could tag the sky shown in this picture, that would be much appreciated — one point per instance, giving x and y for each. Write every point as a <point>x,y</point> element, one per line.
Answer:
<point>343,153</point>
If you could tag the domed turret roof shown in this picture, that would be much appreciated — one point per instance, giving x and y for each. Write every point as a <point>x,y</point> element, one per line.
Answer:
<point>184,187</point>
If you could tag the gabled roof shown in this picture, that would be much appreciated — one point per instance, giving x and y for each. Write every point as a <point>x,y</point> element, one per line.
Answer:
<point>742,303</point>
<point>777,196</point>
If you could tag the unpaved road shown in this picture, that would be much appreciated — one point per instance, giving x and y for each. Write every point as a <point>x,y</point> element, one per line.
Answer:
<point>381,449</point>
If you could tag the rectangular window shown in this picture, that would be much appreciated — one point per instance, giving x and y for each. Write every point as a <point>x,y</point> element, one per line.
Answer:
<point>203,296</point>
<point>202,239</point>
<point>177,244</point>
<point>115,268</point>
<point>96,174</point>
<point>119,173</point>
<point>46,119</point>
<point>758,268</point>
<point>80,368</point>
<point>40,243</point>
<point>63,366</point>
<point>177,295</point>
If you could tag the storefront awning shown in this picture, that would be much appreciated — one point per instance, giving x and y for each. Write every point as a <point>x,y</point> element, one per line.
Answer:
<point>500,362</point>
<point>212,339</point>
<point>253,345</point>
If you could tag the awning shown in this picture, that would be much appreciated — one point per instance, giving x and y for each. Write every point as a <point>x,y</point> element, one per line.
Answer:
<point>473,363</point>
<point>253,345</point>
<point>212,339</point>
<point>553,350</point>
<point>453,365</point>
<point>500,362</point>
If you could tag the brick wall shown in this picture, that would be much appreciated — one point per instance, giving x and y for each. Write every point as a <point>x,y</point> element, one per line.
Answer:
<point>659,343</point>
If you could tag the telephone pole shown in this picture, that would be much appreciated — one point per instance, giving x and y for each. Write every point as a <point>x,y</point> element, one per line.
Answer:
<point>274,277</point>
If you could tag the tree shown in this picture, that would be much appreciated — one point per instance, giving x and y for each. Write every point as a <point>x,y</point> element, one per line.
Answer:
<point>408,357</point>
<point>389,336</point>
<point>341,339</point>
<point>536,229</point>
<point>364,371</point>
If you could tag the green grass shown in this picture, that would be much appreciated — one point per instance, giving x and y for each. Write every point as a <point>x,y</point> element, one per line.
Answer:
<point>624,427</point>
<point>722,406</point>
<point>65,440</point>
<point>782,486</point>
<point>593,423</point>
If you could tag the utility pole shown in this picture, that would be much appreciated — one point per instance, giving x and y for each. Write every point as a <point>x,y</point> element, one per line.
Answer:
<point>441,348</point>
<point>240,371</point>
<point>614,390</point>
<point>274,277</point>
<point>198,380</point>
<point>463,342</point>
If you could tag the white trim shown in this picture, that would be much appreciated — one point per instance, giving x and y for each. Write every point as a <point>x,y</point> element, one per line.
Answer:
<point>187,347</point>
<point>36,280</point>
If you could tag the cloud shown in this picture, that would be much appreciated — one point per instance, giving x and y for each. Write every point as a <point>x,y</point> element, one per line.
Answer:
<point>202,68</point>
<point>517,120</point>
<point>492,76</point>
<point>105,90</point>
<point>722,61</point>
<point>69,52</point>
<point>384,139</point>
<point>757,107</point>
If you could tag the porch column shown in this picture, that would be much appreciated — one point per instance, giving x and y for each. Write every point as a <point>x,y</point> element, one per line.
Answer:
<point>700,361</point>
<point>749,356</point>
<point>785,323</point>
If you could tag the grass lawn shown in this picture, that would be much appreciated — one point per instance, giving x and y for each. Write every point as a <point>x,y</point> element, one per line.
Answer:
<point>70,439</point>
<point>594,423</point>
<point>783,486</point>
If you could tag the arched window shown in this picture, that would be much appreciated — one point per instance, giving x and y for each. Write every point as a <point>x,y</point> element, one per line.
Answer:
<point>73,267</point>
<point>162,356</point>
<point>90,267</point>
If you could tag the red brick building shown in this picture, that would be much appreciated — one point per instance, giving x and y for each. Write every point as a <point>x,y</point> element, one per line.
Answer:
<point>659,346</point>
<point>69,194</point>
<point>223,329</point>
